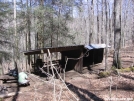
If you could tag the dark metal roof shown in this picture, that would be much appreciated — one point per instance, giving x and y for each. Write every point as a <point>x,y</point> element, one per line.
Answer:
<point>53,49</point>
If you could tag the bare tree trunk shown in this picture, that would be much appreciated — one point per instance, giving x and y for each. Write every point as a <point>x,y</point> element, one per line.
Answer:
<point>88,23</point>
<point>51,24</point>
<point>106,40</point>
<point>15,27</point>
<point>117,33</point>
<point>91,36</point>
<point>102,23</point>
<point>15,48</point>
<point>40,32</point>
<point>109,26</point>
<point>52,31</point>
<point>98,32</point>
<point>125,29</point>
<point>58,30</point>
<point>133,26</point>
<point>112,27</point>
<point>28,26</point>
<point>28,33</point>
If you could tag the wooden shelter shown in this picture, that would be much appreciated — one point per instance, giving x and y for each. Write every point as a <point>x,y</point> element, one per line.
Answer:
<point>78,56</point>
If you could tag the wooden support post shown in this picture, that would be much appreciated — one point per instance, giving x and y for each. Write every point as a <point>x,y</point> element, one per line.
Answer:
<point>1,70</point>
<point>26,64</point>
<point>29,63</point>
<point>34,63</point>
<point>47,60</point>
<point>30,67</point>
<point>47,64</point>
<point>79,65</point>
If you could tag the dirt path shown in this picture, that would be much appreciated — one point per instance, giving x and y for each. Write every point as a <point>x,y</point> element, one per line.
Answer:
<point>86,87</point>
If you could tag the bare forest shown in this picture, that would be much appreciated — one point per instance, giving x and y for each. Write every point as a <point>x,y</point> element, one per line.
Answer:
<point>27,25</point>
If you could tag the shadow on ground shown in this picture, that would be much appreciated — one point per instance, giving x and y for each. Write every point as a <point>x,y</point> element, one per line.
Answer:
<point>18,88</point>
<point>83,94</point>
<point>125,86</point>
<point>127,77</point>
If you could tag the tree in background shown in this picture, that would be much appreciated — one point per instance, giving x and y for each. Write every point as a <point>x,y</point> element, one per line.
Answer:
<point>117,33</point>
<point>91,35</point>
<point>51,19</point>
<point>133,23</point>
<point>46,23</point>
<point>5,42</point>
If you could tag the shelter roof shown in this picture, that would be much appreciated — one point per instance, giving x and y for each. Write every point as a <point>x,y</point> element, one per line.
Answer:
<point>53,49</point>
<point>96,46</point>
<point>65,48</point>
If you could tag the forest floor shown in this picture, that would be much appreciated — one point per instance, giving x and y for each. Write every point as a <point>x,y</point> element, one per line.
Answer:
<point>84,87</point>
